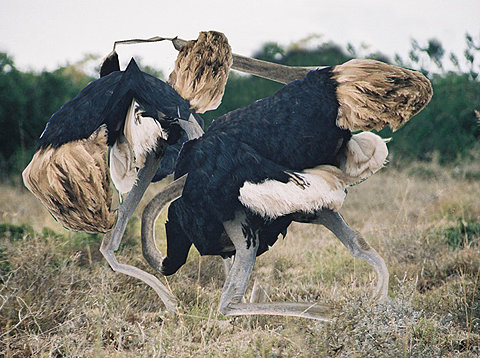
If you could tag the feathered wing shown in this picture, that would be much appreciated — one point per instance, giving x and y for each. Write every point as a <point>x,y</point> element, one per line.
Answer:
<point>320,188</point>
<point>122,165</point>
<point>373,94</point>
<point>73,183</point>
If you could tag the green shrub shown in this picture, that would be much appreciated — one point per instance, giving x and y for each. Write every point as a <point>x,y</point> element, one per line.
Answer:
<point>464,233</point>
<point>14,232</point>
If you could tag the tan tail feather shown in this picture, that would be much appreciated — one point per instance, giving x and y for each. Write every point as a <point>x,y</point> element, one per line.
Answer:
<point>373,94</point>
<point>73,182</point>
<point>201,70</point>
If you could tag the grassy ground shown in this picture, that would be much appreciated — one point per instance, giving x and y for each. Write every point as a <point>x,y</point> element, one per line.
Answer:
<point>58,296</point>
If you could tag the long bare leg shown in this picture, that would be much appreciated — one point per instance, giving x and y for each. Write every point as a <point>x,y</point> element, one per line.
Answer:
<point>237,278</point>
<point>227,265</point>
<point>240,270</point>
<point>258,292</point>
<point>150,251</point>
<point>357,246</point>
<point>111,240</point>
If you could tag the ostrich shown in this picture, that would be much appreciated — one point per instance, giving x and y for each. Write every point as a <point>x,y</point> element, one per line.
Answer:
<point>139,119</point>
<point>286,158</point>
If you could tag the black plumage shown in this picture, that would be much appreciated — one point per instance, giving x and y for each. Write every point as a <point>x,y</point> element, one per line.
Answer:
<point>110,64</point>
<point>292,130</point>
<point>106,101</point>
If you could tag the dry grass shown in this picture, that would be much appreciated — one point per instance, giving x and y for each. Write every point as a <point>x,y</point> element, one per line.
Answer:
<point>58,297</point>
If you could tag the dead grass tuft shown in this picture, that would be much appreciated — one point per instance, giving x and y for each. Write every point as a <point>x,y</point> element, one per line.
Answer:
<point>58,297</point>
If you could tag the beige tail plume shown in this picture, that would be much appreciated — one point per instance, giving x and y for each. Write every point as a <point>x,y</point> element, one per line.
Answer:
<point>73,183</point>
<point>373,94</point>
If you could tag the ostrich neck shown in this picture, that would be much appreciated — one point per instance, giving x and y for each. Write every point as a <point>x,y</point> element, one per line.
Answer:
<point>268,70</point>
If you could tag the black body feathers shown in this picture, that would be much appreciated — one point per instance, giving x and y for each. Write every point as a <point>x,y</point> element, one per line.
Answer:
<point>106,101</point>
<point>110,64</point>
<point>292,130</point>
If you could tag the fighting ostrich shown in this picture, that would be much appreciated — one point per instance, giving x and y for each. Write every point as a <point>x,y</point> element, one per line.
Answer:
<point>286,158</point>
<point>139,120</point>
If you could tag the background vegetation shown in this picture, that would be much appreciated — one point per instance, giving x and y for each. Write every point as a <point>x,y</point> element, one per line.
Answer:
<point>446,130</point>
<point>59,298</point>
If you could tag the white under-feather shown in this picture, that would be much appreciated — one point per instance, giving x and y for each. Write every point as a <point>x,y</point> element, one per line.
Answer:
<point>128,153</point>
<point>319,188</point>
<point>142,133</point>
<point>322,187</point>
<point>365,154</point>
<point>122,165</point>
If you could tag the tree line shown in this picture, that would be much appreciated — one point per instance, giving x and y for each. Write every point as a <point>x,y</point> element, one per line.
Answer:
<point>446,129</point>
